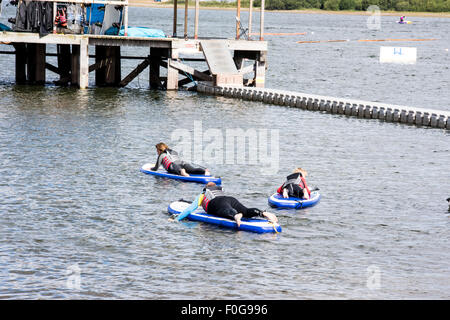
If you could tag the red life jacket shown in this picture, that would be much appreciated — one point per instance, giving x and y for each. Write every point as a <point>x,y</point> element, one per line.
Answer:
<point>296,179</point>
<point>211,193</point>
<point>168,159</point>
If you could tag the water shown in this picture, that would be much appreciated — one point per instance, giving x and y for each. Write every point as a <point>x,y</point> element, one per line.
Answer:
<point>73,197</point>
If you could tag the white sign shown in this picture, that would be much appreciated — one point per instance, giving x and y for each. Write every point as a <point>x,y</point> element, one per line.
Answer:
<point>404,55</point>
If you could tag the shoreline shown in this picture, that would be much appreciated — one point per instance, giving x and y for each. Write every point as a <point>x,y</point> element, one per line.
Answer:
<point>137,3</point>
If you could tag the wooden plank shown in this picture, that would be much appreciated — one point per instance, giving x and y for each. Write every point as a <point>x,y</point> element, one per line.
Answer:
<point>218,57</point>
<point>247,69</point>
<point>52,68</point>
<point>188,80</point>
<point>25,37</point>
<point>185,68</point>
<point>133,74</point>
<point>100,65</point>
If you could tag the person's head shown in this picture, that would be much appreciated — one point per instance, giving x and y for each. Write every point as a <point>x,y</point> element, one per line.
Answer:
<point>161,147</point>
<point>210,184</point>
<point>302,171</point>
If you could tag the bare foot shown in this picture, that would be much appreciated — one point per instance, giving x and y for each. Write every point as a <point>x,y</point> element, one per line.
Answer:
<point>270,216</point>
<point>184,173</point>
<point>238,218</point>
<point>207,173</point>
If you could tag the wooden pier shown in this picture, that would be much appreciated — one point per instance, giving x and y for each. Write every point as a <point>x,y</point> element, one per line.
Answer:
<point>341,106</point>
<point>227,61</point>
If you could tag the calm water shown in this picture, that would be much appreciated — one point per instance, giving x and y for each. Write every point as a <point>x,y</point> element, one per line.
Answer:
<point>72,195</point>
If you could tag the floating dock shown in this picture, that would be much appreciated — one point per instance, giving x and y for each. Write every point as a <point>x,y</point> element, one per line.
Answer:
<point>347,107</point>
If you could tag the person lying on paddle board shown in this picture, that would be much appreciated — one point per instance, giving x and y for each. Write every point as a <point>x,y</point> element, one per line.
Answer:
<point>215,202</point>
<point>295,185</point>
<point>170,160</point>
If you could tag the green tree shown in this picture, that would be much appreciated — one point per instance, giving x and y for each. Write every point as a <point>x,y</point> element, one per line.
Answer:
<point>331,5</point>
<point>347,5</point>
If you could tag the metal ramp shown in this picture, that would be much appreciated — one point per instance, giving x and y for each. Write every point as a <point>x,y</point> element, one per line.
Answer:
<point>221,63</point>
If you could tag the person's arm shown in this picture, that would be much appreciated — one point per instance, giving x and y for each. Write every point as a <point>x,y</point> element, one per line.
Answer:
<point>192,207</point>
<point>158,162</point>
<point>306,189</point>
<point>280,189</point>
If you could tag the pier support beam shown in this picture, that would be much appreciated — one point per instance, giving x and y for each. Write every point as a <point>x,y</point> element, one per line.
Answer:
<point>35,61</point>
<point>100,56</point>
<point>156,56</point>
<point>80,64</point>
<point>260,70</point>
<point>64,63</point>
<point>172,73</point>
<point>113,69</point>
<point>21,63</point>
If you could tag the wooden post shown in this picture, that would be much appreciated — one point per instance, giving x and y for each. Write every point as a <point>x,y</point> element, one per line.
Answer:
<point>40,63</point>
<point>261,26</point>
<point>63,63</point>
<point>21,63</point>
<point>250,11</point>
<point>113,69</point>
<point>172,73</point>
<point>197,7</point>
<point>80,64</point>
<point>175,3</point>
<point>238,18</point>
<point>186,8</point>
<point>100,55</point>
<point>155,68</point>
<point>125,21</point>
<point>260,70</point>
<point>75,65</point>
<point>31,62</point>
<point>84,64</point>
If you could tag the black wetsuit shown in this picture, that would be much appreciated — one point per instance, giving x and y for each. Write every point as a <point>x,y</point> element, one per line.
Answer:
<point>228,207</point>
<point>173,164</point>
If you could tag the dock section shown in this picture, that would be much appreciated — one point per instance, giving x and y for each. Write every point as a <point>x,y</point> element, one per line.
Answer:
<point>221,57</point>
<point>354,108</point>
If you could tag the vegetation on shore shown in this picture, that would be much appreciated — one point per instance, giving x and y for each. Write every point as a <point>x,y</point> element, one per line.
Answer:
<point>335,5</point>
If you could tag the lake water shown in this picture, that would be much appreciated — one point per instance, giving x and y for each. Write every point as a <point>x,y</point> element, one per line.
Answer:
<point>79,221</point>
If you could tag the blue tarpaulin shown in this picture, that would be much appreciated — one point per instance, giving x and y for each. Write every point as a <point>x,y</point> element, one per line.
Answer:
<point>137,32</point>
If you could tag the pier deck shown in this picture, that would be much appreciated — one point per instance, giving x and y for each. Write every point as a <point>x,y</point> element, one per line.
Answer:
<point>73,50</point>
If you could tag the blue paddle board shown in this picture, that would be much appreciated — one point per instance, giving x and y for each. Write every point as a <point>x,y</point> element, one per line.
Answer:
<point>277,201</point>
<point>251,225</point>
<point>146,168</point>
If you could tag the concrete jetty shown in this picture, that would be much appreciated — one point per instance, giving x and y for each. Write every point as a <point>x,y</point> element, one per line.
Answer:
<point>349,107</point>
